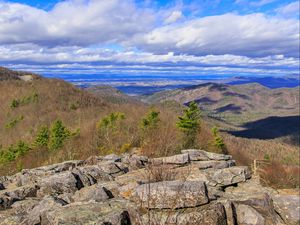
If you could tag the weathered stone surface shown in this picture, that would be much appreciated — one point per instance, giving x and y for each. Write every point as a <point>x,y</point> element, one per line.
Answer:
<point>246,215</point>
<point>214,164</point>
<point>96,193</point>
<point>254,209</point>
<point>175,159</point>
<point>288,206</point>
<point>200,155</point>
<point>213,214</point>
<point>195,187</point>
<point>112,168</point>
<point>92,160</point>
<point>25,206</point>
<point>229,176</point>
<point>9,196</point>
<point>114,212</point>
<point>134,161</point>
<point>172,194</point>
<point>91,174</point>
<point>60,183</point>
<point>48,203</point>
<point>112,157</point>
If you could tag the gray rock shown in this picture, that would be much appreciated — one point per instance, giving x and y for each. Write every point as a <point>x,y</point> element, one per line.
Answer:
<point>25,206</point>
<point>91,174</point>
<point>200,155</point>
<point>172,194</point>
<point>9,196</point>
<point>92,160</point>
<point>175,159</point>
<point>65,182</point>
<point>288,206</point>
<point>134,161</point>
<point>113,212</point>
<point>254,209</point>
<point>112,168</point>
<point>230,176</point>
<point>37,214</point>
<point>212,214</point>
<point>214,164</point>
<point>112,157</point>
<point>96,193</point>
<point>246,215</point>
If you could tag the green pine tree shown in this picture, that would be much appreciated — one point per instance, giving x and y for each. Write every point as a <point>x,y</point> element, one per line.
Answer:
<point>42,137</point>
<point>151,120</point>
<point>189,124</point>
<point>58,134</point>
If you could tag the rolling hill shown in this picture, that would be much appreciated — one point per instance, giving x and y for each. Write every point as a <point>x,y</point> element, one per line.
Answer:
<point>235,104</point>
<point>33,108</point>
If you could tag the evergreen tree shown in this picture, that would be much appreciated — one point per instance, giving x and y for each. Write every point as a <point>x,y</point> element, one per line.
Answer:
<point>151,120</point>
<point>218,140</point>
<point>42,137</point>
<point>189,124</point>
<point>58,134</point>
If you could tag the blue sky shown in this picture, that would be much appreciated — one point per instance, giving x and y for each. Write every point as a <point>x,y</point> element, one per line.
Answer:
<point>258,37</point>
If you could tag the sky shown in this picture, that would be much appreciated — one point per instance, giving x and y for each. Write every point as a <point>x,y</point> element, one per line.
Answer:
<point>215,37</point>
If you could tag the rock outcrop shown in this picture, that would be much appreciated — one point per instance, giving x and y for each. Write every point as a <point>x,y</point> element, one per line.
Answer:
<point>194,187</point>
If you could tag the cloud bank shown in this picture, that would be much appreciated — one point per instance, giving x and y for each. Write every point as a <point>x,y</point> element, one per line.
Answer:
<point>121,33</point>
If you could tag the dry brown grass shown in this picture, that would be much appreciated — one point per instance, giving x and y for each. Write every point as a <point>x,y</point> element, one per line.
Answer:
<point>55,100</point>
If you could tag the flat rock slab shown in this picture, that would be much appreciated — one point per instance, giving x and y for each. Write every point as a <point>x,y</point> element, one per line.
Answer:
<point>96,193</point>
<point>9,196</point>
<point>172,194</point>
<point>200,155</point>
<point>60,183</point>
<point>288,207</point>
<point>113,212</point>
<point>214,164</point>
<point>229,176</point>
<point>213,214</point>
<point>175,159</point>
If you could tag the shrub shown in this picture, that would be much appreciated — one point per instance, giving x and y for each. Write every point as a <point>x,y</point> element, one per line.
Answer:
<point>110,132</point>
<point>151,120</point>
<point>58,134</point>
<point>42,138</point>
<point>25,100</point>
<point>13,152</point>
<point>13,122</point>
<point>189,124</point>
<point>218,141</point>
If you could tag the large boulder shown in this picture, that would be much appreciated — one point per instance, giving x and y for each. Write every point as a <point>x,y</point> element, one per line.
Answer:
<point>113,212</point>
<point>212,214</point>
<point>37,214</point>
<point>288,206</point>
<point>65,182</point>
<point>9,196</point>
<point>248,209</point>
<point>214,164</point>
<point>172,194</point>
<point>181,159</point>
<point>33,176</point>
<point>96,193</point>
<point>229,176</point>
<point>91,174</point>
<point>200,155</point>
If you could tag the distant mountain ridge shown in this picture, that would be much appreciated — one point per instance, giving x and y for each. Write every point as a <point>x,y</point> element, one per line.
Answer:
<point>235,103</point>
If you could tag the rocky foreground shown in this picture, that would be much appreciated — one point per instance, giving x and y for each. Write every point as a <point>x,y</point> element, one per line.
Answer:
<point>194,187</point>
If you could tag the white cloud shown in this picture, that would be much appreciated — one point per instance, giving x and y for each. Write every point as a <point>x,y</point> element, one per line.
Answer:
<point>249,35</point>
<point>73,22</point>
<point>289,10</point>
<point>175,16</point>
